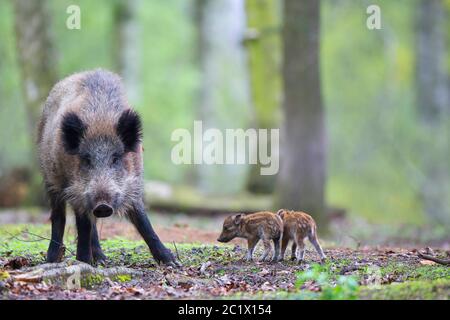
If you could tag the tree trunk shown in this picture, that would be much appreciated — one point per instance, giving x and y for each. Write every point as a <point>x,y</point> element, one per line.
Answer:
<point>301,181</point>
<point>38,67</point>
<point>263,45</point>
<point>433,103</point>
<point>127,49</point>
<point>198,16</point>
<point>432,86</point>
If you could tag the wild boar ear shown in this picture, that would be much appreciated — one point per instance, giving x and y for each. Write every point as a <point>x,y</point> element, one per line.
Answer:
<point>280,213</point>
<point>238,218</point>
<point>129,129</point>
<point>73,130</point>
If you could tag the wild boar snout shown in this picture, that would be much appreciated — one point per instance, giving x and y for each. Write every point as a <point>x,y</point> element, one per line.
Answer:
<point>103,211</point>
<point>230,229</point>
<point>222,238</point>
<point>227,235</point>
<point>103,195</point>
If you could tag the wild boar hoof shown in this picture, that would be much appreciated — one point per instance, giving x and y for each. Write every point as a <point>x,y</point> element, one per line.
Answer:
<point>168,259</point>
<point>85,259</point>
<point>55,254</point>
<point>98,256</point>
<point>101,260</point>
<point>174,264</point>
<point>277,259</point>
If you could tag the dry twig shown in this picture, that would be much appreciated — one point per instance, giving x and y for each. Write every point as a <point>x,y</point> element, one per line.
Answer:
<point>41,238</point>
<point>176,251</point>
<point>445,262</point>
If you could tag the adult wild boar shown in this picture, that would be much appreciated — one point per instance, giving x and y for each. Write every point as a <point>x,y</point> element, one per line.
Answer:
<point>90,152</point>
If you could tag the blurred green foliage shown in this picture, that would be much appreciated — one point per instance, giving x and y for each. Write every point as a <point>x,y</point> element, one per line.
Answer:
<point>368,88</point>
<point>344,288</point>
<point>14,142</point>
<point>368,79</point>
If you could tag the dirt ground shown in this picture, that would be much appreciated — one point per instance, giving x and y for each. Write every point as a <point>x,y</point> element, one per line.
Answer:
<point>222,273</point>
<point>211,270</point>
<point>178,233</point>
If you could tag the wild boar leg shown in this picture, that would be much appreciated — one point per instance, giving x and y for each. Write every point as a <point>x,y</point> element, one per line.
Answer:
<point>267,250</point>
<point>84,228</point>
<point>252,242</point>
<point>140,220</point>
<point>97,252</point>
<point>276,245</point>
<point>300,250</point>
<point>58,218</point>
<point>284,244</point>
<point>294,248</point>
<point>316,244</point>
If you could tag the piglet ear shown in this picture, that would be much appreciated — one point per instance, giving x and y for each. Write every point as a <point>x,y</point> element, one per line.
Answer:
<point>129,129</point>
<point>73,130</point>
<point>238,218</point>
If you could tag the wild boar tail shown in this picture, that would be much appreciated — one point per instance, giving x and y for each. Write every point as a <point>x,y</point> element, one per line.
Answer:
<point>313,232</point>
<point>279,220</point>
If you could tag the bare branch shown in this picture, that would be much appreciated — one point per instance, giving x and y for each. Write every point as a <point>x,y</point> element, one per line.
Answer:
<point>445,262</point>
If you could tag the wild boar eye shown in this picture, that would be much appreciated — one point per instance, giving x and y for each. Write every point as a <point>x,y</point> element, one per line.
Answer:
<point>115,159</point>
<point>85,160</point>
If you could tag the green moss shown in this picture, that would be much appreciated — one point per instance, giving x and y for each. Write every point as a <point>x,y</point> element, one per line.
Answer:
<point>436,289</point>
<point>221,272</point>
<point>414,272</point>
<point>412,290</point>
<point>122,278</point>
<point>264,58</point>
<point>4,275</point>
<point>30,241</point>
<point>90,281</point>
<point>255,269</point>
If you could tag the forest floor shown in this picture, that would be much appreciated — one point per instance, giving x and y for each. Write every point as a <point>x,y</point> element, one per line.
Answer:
<point>211,270</point>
